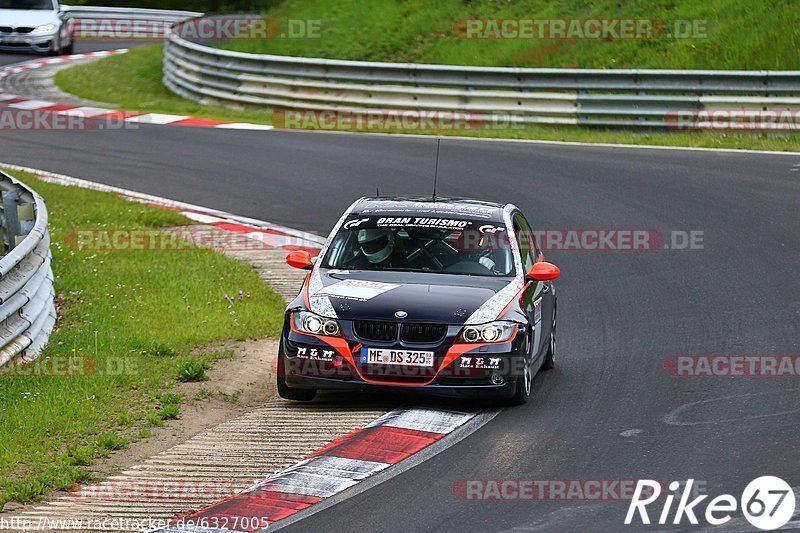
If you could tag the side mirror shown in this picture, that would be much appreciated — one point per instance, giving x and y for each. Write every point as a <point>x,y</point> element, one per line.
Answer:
<point>543,271</point>
<point>300,259</point>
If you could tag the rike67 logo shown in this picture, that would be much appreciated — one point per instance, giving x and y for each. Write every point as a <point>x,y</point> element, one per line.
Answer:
<point>767,502</point>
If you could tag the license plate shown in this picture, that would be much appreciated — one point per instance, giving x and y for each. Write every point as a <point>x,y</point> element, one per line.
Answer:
<point>382,356</point>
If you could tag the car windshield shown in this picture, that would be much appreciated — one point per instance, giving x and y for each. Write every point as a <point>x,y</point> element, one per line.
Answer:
<point>26,4</point>
<point>422,244</point>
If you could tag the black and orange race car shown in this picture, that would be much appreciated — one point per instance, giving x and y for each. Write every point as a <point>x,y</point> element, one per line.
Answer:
<point>450,296</point>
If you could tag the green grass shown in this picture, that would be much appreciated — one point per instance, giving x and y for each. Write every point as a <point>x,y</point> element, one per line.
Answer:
<point>168,411</point>
<point>423,31</point>
<point>130,319</point>
<point>132,81</point>
<point>786,142</point>
<point>738,35</point>
<point>192,370</point>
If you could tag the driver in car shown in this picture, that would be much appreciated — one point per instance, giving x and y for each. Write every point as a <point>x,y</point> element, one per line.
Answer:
<point>383,247</point>
<point>379,246</point>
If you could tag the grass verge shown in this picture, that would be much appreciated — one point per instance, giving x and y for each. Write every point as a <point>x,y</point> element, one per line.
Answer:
<point>789,142</point>
<point>133,81</point>
<point>723,34</point>
<point>128,322</point>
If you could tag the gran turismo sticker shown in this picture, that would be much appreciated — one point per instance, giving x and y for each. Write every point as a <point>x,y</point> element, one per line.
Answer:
<point>350,224</point>
<point>489,228</point>
<point>315,354</point>
<point>422,222</point>
<point>356,289</point>
<point>491,363</point>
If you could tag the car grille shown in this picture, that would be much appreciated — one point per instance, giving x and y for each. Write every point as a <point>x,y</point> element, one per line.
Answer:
<point>423,333</point>
<point>374,330</point>
<point>19,29</point>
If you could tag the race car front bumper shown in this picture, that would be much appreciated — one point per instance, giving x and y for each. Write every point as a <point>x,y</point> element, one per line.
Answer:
<point>472,391</point>
<point>460,370</point>
<point>41,43</point>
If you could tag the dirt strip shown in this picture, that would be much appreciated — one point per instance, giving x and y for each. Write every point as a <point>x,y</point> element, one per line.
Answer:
<point>212,466</point>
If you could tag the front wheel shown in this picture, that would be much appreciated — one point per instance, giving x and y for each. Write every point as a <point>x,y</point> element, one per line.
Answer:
<point>69,49</point>
<point>288,393</point>
<point>523,387</point>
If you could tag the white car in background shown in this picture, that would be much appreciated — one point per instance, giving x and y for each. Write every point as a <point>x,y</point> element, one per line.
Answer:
<point>35,26</point>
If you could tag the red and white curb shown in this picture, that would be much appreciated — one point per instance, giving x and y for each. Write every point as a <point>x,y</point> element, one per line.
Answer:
<point>343,463</point>
<point>267,234</point>
<point>14,101</point>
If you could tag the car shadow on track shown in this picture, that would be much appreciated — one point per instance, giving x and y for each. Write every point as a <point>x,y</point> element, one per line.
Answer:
<point>368,400</point>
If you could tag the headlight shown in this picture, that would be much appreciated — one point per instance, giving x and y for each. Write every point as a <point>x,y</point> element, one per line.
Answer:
<point>309,322</point>
<point>492,332</point>
<point>45,28</point>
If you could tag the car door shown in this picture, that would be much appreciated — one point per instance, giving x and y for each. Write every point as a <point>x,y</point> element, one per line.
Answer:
<point>547,292</point>
<point>532,298</point>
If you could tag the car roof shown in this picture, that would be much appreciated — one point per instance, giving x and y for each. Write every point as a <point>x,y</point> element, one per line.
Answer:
<point>450,206</point>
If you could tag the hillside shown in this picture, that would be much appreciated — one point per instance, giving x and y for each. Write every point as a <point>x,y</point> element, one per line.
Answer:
<point>722,34</point>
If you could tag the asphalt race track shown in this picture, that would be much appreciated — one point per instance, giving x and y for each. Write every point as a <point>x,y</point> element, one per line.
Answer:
<point>9,58</point>
<point>609,411</point>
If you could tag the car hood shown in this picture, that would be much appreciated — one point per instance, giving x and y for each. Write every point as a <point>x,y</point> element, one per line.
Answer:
<point>27,17</point>
<point>423,297</point>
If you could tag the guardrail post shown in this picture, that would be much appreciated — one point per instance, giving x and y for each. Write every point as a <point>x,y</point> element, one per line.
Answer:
<point>26,214</point>
<point>10,218</point>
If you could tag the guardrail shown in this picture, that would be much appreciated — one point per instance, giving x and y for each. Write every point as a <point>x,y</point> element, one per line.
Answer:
<point>652,98</point>
<point>124,22</point>
<point>27,308</point>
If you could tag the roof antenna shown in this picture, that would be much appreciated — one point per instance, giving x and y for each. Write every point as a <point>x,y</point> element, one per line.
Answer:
<point>377,192</point>
<point>436,171</point>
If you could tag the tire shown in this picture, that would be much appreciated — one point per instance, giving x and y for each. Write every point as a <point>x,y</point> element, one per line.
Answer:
<point>288,393</point>
<point>550,358</point>
<point>69,49</point>
<point>522,392</point>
